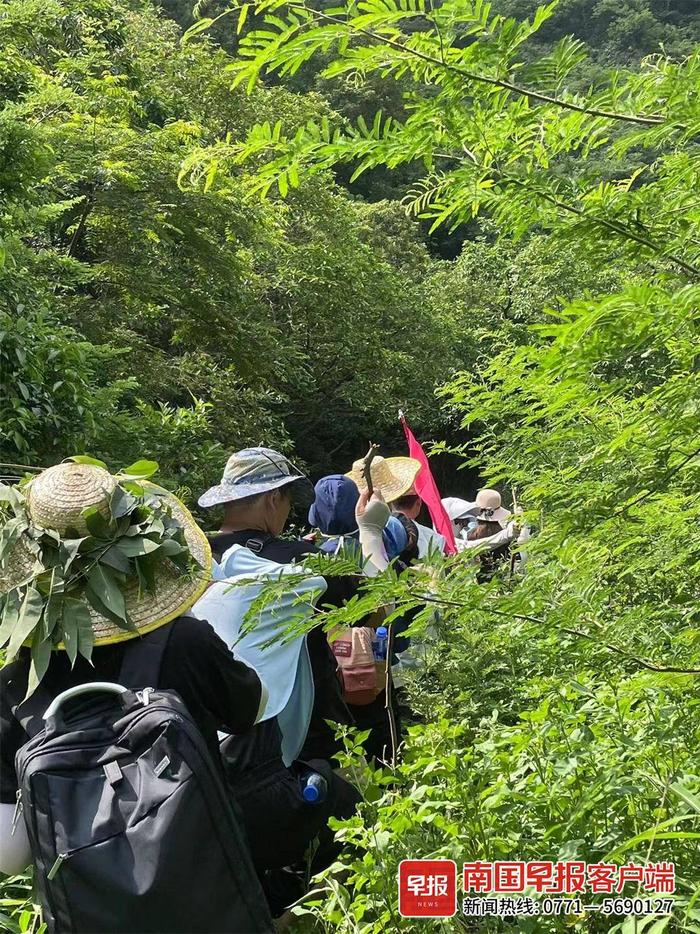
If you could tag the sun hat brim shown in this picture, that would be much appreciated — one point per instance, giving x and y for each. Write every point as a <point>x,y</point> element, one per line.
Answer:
<point>174,592</point>
<point>401,474</point>
<point>231,492</point>
<point>499,515</point>
<point>457,508</point>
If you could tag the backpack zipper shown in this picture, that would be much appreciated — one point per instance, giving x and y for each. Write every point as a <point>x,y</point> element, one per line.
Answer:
<point>19,807</point>
<point>62,857</point>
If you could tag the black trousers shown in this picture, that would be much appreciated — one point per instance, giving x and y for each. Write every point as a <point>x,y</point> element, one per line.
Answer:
<point>281,826</point>
<point>280,823</point>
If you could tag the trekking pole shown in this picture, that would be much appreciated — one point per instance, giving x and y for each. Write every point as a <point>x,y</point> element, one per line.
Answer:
<point>393,732</point>
<point>513,554</point>
<point>366,465</point>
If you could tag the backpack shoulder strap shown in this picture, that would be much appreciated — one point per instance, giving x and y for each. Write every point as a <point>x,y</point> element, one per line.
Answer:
<point>256,543</point>
<point>143,658</point>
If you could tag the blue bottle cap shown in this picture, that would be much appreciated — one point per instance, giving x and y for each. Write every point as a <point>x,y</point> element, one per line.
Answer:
<point>382,632</point>
<point>310,793</point>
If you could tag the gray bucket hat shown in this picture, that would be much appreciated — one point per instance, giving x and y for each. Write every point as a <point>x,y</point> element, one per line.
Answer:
<point>257,470</point>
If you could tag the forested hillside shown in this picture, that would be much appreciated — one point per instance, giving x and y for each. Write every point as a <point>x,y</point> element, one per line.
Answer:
<point>282,225</point>
<point>169,317</point>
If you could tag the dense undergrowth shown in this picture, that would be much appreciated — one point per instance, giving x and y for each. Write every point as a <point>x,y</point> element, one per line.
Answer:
<point>561,709</point>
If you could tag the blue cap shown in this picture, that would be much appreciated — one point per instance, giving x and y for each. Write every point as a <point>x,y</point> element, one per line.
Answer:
<point>382,632</point>
<point>310,793</point>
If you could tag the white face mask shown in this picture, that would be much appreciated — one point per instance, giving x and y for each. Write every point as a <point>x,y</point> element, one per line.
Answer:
<point>464,532</point>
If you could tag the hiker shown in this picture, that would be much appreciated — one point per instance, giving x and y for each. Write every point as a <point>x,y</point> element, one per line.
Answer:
<point>257,489</point>
<point>147,819</point>
<point>394,477</point>
<point>493,534</point>
<point>263,769</point>
<point>497,528</point>
<point>333,514</point>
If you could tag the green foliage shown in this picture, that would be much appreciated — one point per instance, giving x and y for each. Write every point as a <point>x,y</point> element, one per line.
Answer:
<point>569,695</point>
<point>199,319</point>
<point>190,317</point>
<point>18,912</point>
<point>489,141</point>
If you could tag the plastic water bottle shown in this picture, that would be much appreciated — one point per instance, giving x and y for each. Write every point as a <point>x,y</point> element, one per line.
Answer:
<point>379,643</point>
<point>314,788</point>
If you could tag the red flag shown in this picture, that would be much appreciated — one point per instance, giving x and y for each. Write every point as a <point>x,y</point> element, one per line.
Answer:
<point>426,488</point>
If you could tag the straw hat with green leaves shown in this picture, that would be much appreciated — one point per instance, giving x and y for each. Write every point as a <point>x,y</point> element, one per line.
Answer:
<point>89,558</point>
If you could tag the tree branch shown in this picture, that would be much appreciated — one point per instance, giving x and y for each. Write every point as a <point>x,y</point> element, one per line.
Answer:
<point>643,119</point>
<point>642,662</point>
<point>615,226</point>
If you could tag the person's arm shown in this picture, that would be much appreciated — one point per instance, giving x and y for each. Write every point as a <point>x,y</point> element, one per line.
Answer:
<point>509,534</point>
<point>372,514</point>
<point>15,853</point>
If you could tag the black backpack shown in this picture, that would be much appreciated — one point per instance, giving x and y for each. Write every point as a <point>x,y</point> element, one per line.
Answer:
<point>130,826</point>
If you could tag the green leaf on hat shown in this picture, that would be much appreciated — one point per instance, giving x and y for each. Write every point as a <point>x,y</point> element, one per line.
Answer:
<point>10,615</point>
<point>96,523</point>
<point>146,571</point>
<point>68,549</point>
<point>116,558</point>
<point>104,594</point>
<point>137,547</point>
<point>9,495</point>
<point>133,487</point>
<point>28,619</point>
<point>86,635</point>
<point>70,637</point>
<point>141,470</point>
<point>121,502</point>
<point>78,635</point>
<point>86,459</point>
<point>10,533</point>
<point>170,548</point>
<point>53,616</point>
<point>41,656</point>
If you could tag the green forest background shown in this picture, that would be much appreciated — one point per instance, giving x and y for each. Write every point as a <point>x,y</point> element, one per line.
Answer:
<point>516,265</point>
<point>140,314</point>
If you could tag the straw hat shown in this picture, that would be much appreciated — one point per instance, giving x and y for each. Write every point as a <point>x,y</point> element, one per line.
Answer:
<point>56,500</point>
<point>391,476</point>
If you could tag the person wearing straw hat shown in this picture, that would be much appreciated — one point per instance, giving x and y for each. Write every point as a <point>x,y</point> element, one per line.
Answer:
<point>394,477</point>
<point>89,563</point>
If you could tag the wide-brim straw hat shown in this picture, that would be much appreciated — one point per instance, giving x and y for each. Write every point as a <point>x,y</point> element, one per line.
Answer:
<point>56,499</point>
<point>391,476</point>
